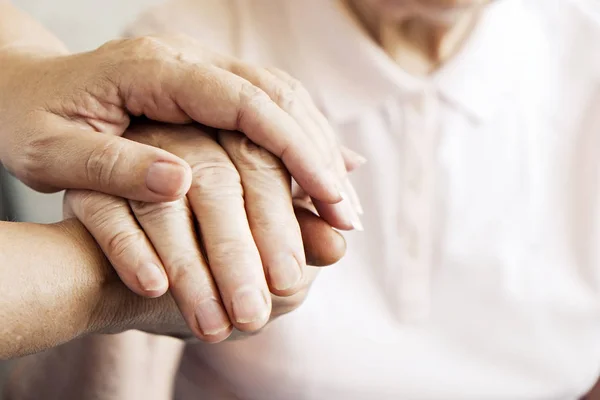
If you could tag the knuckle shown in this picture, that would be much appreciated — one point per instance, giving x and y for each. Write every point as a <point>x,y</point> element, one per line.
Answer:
<point>147,44</point>
<point>179,265</point>
<point>286,98</point>
<point>155,213</point>
<point>134,49</point>
<point>296,86</point>
<point>102,163</point>
<point>232,251</point>
<point>274,220</point>
<point>251,156</point>
<point>99,211</point>
<point>123,241</point>
<point>147,52</point>
<point>252,102</point>
<point>228,246</point>
<point>85,200</point>
<point>217,178</point>
<point>252,94</point>
<point>70,203</point>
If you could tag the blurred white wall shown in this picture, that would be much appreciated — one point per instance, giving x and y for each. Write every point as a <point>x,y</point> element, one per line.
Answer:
<point>82,25</point>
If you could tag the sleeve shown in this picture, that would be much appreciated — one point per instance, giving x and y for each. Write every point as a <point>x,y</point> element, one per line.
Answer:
<point>212,22</point>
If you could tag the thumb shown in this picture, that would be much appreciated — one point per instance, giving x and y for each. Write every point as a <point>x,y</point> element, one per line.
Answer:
<point>109,164</point>
<point>323,245</point>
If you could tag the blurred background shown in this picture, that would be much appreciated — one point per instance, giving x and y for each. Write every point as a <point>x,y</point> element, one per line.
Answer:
<point>82,25</point>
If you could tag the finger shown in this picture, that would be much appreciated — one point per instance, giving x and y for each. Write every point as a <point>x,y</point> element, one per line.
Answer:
<point>323,245</point>
<point>292,97</point>
<point>268,200</point>
<point>215,97</point>
<point>352,159</point>
<point>331,212</point>
<point>110,221</point>
<point>111,165</point>
<point>216,198</point>
<point>66,206</point>
<point>170,227</point>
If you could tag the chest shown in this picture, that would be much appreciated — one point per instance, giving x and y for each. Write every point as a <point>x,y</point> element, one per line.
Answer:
<point>501,267</point>
<point>445,191</point>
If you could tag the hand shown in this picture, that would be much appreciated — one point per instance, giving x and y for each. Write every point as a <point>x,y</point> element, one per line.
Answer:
<point>241,199</point>
<point>61,117</point>
<point>323,246</point>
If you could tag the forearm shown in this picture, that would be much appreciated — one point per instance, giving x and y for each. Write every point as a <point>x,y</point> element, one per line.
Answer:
<point>56,285</point>
<point>22,40</point>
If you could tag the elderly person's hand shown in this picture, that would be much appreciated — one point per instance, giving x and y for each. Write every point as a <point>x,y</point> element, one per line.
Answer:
<point>323,246</point>
<point>241,200</point>
<point>61,116</point>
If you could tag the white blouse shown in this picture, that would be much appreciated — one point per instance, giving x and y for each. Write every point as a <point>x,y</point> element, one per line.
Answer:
<point>478,273</point>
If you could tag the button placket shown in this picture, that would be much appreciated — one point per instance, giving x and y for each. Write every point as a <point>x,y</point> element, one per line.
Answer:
<point>414,225</point>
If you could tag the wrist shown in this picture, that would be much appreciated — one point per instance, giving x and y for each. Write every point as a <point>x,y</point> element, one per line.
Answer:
<point>117,309</point>
<point>21,56</point>
<point>98,280</point>
<point>21,62</point>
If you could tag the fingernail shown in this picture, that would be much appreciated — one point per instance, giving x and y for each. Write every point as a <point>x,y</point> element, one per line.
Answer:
<point>285,273</point>
<point>165,178</point>
<point>360,160</point>
<point>211,318</point>
<point>354,157</point>
<point>249,306</point>
<point>334,181</point>
<point>351,213</point>
<point>354,197</point>
<point>151,278</point>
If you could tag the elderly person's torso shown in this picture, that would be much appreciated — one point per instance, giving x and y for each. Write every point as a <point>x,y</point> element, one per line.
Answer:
<point>477,276</point>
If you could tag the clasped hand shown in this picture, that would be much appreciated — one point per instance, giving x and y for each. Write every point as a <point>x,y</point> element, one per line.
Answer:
<point>209,213</point>
<point>232,249</point>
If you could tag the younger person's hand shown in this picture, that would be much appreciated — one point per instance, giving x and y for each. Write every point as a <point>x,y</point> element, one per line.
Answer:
<point>61,118</point>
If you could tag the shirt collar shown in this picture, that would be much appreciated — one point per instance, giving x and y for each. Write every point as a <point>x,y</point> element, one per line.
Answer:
<point>349,73</point>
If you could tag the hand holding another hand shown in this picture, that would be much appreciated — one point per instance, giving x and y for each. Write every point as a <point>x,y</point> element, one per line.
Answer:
<point>234,239</point>
<point>62,117</point>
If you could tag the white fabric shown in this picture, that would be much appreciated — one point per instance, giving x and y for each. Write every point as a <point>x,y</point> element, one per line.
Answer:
<point>477,276</point>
